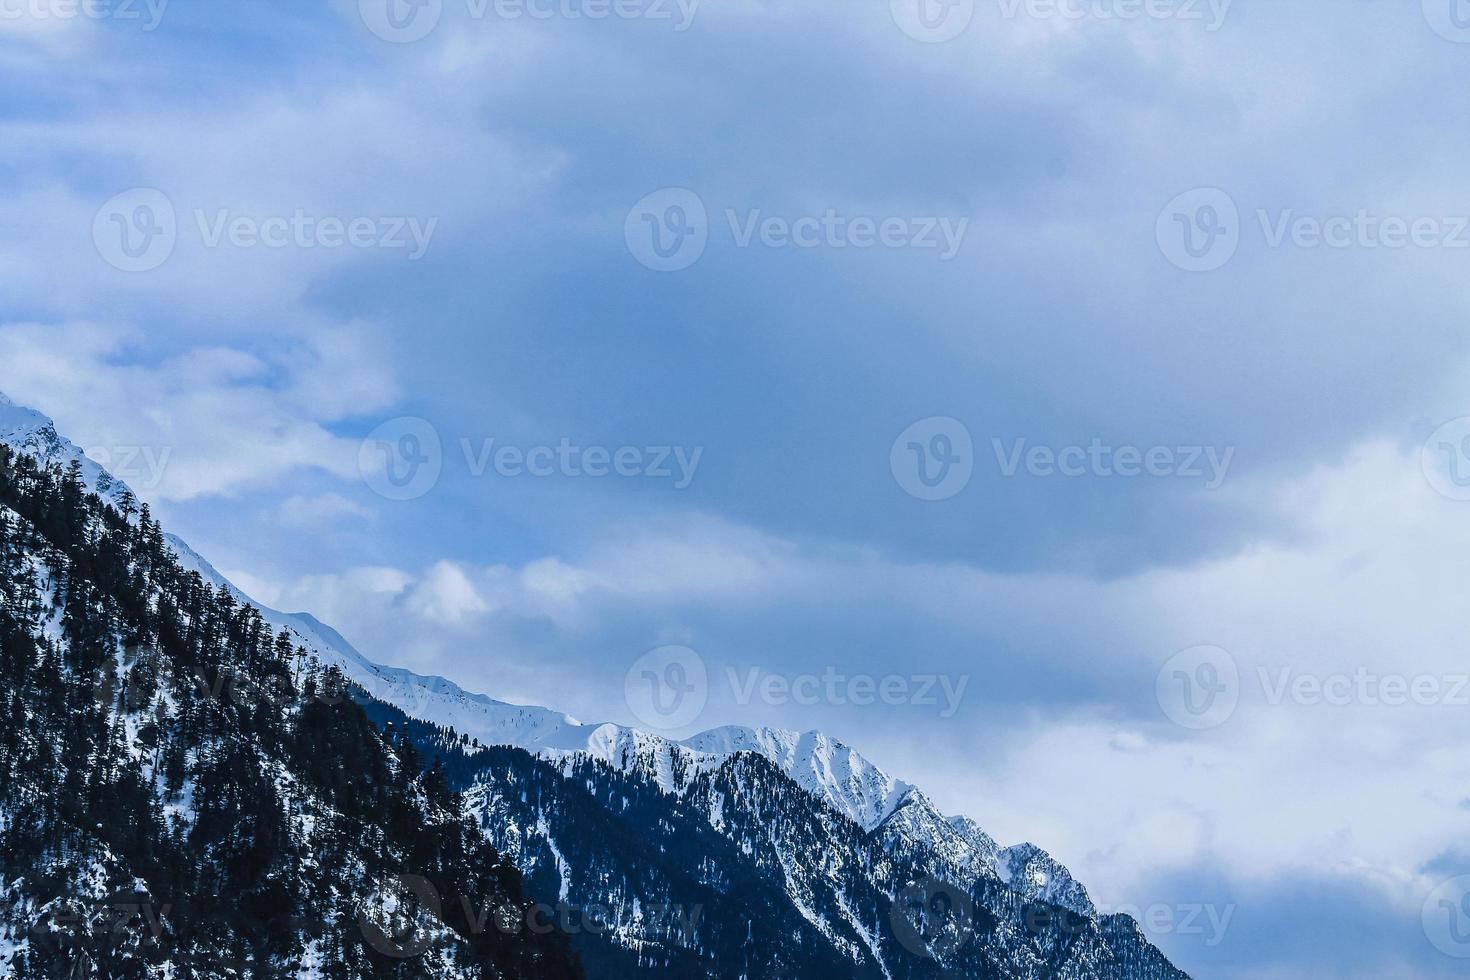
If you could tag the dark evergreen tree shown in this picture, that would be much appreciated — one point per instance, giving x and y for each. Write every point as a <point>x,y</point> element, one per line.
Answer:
<point>183,800</point>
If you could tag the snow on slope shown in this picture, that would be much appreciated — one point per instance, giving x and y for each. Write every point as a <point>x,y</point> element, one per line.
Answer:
<point>1032,872</point>
<point>827,769</point>
<point>434,699</point>
<point>28,431</point>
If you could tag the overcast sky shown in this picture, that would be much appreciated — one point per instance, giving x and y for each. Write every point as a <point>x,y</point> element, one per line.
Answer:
<point>1079,377</point>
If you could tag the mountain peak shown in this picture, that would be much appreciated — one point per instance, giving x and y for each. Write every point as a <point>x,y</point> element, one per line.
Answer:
<point>822,765</point>
<point>28,431</point>
<point>1034,873</point>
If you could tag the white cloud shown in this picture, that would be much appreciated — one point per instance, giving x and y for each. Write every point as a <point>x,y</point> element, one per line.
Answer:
<point>36,22</point>
<point>446,594</point>
<point>320,511</point>
<point>207,420</point>
<point>245,394</point>
<point>262,590</point>
<point>349,601</point>
<point>262,156</point>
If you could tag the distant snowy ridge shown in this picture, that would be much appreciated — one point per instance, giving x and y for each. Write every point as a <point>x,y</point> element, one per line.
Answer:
<point>827,769</point>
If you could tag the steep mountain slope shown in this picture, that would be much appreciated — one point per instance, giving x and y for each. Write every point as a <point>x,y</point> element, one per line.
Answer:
<point>747,874</point>
<point>185,796</point>
<point>646,885</point>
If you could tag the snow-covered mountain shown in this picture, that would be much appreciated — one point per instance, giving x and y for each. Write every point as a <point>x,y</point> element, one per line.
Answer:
<point>893,826</point>
<point>186,796</point>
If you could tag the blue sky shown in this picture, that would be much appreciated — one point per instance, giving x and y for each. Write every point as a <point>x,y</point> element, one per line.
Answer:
<point>1317,149</point>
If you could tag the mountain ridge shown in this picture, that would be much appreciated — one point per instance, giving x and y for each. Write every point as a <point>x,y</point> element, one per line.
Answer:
<point>826,768</point>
